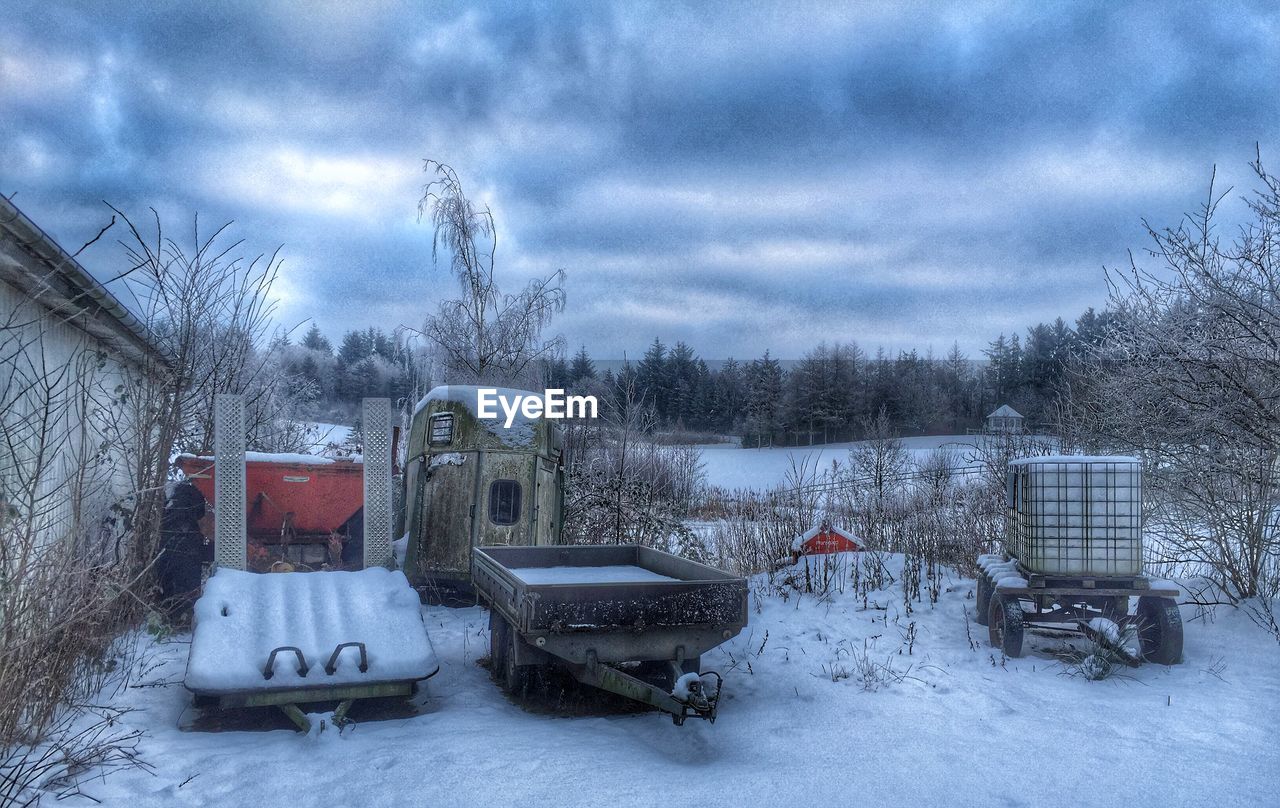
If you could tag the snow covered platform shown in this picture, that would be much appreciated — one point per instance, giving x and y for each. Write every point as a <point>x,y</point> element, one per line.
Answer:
<point>615,574</point>
<point>282,639</point>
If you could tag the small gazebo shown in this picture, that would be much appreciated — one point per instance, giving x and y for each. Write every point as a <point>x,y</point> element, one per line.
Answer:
<point>1005,420</point>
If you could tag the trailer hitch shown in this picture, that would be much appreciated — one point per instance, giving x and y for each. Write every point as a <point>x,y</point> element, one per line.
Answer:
<point>690,696</point>
<point>694,697</point>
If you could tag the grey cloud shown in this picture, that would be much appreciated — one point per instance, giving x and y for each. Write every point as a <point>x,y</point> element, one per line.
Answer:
<point>951,173</point>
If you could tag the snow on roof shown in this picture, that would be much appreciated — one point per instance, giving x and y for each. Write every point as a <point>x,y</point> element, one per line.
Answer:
<point>467,394</point>
<point>283,457</point>
<point>521,431</point>
<point>798,542</point>
<point>1027,461</point>
<point>243,616</point>
<point>1005,411</point>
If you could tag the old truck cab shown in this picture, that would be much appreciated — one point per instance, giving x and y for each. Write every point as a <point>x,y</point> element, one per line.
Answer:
<point>470,481</point>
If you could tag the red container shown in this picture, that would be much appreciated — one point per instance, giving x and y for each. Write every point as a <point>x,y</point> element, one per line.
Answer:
<point>289,502</point>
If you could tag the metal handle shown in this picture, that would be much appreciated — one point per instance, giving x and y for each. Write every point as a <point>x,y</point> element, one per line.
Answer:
<point>333,658</point>
<point>270,669</point>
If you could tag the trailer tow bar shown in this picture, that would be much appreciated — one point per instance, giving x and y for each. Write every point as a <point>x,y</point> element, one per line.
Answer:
<point>699,701</point>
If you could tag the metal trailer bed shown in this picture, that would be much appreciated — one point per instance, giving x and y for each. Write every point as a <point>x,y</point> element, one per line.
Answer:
<point>590,624</point>
<point>1010,597</point>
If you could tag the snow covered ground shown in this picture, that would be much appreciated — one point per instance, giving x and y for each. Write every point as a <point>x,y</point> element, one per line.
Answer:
<point>324,436</point>
<point>828,701</point>
<point>731,466</point>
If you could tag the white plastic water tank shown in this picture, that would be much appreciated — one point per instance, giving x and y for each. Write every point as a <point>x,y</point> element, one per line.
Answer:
<point>1076,515</point>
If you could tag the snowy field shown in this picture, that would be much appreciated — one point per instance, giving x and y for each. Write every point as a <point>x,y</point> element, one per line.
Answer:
<point>323,436</point>
<point>730,466</point>
<point>827,702</point>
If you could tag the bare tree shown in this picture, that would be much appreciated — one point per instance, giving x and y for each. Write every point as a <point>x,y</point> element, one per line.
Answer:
<point>64,598</point>
<point>76,429</point>
<point>1189,378</point>
<point>875,480</point>
<point>485,334</point>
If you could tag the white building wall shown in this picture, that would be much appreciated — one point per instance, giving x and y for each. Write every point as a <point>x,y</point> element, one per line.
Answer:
<point>59,403</point>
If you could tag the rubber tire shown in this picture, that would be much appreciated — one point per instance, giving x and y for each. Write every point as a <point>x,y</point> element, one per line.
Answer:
<point>498,639</point>
<point>517,680</point>
<point>1005,625</point>
<point>1160,630</point>
<point>982,602</point>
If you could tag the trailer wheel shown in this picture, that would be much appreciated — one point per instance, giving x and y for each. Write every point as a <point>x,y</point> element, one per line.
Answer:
<point>517,680</point>
<point>498,648</point>
<point>982,603</point>
<point>1005,626</point>
<point>1160,630</point>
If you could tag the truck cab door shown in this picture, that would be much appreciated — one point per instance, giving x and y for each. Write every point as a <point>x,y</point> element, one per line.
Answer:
<point>547,502</point>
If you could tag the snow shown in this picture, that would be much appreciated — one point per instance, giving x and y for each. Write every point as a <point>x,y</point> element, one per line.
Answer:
<point>1082,459</point>
<point>684,685</point>
<point>280,457</point>
<point>615,574</point>
<point>328,437</point>
<point>1107,628</point>
<point>243,616</point>
<point>521,431</point>
<point>447,459</point>
<point>730,466</point>
<point>1005,411</point>
<point>400,548</point>
<point>1003,573</point>
<point>1125,640</point>
<point>808,717</point>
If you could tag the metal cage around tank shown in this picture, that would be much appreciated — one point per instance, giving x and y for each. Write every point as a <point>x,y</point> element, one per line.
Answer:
<point>1076,515</point>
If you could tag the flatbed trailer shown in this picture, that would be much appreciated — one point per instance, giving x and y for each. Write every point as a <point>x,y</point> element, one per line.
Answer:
<point>1010,597</point>
<point>605,613</point>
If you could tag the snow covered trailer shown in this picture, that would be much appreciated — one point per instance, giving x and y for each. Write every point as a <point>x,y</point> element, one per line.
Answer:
<point>1073,557</point>
<point>624,618</point>
<point>471,480</point>
<point>289,638</point>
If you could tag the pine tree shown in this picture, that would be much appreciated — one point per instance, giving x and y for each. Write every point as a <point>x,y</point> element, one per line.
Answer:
<point>581,370</point>
<point>764,404</point>
<point>355,346</point>
<point>316,341</point>
<point>681,378</point>
<point>730,394</point>
<point>652,379</point>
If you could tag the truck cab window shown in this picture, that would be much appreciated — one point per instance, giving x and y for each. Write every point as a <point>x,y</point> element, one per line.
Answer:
<point>504,502</point>
<point>442,429</point>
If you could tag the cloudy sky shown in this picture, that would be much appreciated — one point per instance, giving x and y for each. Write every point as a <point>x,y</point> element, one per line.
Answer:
<point>743,177</point>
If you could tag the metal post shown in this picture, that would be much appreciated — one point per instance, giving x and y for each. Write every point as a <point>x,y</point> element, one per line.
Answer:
<point>376,427</point>
<point>229,527</point>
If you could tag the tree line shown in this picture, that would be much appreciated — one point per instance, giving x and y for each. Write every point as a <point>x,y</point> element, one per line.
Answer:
<point>830,394</point>
<point>836,390</point>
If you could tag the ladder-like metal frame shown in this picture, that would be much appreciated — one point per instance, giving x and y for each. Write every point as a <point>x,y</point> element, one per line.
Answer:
<point>230,528</point>
<point>376,428</point>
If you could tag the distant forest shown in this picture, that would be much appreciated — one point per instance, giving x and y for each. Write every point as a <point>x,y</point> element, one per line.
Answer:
<point>830,394</point>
